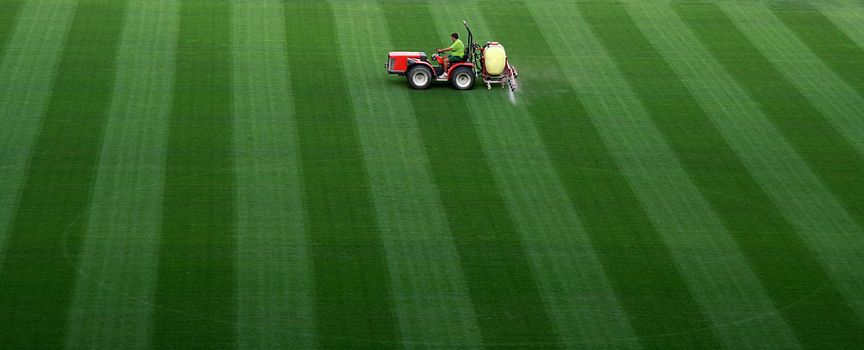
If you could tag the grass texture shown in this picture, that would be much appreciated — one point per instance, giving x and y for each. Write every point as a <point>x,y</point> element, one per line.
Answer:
<point>244,174</point>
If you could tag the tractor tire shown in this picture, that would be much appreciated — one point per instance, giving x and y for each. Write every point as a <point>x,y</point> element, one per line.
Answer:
<point>462,78</point>
<point>420,77</point>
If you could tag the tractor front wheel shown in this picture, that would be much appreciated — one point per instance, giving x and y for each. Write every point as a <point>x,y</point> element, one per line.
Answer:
<point>462,78</point>
<point>420,77</point>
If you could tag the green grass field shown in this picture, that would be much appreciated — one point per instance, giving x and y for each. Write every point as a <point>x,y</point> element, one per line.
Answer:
<point>179,174</point>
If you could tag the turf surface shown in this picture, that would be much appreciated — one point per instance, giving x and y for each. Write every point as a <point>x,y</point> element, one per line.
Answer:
<point>351,281</point>
<point>38,277</point>
<point>244,174</point>
<point>8,15</point>
<point>675,111</point>
<point>599,191</point>
<point>197,244</point>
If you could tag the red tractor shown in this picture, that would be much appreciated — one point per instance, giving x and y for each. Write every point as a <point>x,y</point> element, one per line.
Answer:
<point>421,72</point>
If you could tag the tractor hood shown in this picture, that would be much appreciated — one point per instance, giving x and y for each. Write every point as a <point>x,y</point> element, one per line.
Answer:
<point>407,54</point>
<point>398,62</point>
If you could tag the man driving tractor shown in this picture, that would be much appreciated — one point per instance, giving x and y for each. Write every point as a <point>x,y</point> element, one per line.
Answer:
<point>468,62</point>
<point>457,52</point>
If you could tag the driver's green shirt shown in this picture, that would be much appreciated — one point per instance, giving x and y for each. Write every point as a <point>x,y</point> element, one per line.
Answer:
<point>458,48</point>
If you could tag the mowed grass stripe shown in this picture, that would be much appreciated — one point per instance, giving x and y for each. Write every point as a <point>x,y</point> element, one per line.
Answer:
<point>827,42</point>
<point>504,291</point>
<point>790,273</point>
<point>829,153</point>
<point>195,289</point>
<point>354,305</point>
<point>832,235</point>
<point>847,19</point>
<point>39,270</point>
<point>641,269</point>
<point>117,272</point>
<point>429,288</point>
<point>572,281</point>
<point>9,10</point>
<point>28,69</point>
<point>838,101</point>
<point>712,265</point>
<point>274,295</point>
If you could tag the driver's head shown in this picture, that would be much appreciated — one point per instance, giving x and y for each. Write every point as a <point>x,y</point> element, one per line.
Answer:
<point>454,36</point>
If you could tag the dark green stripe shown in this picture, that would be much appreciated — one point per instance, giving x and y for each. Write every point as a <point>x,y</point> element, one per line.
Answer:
<point>827,151</point>
<point>787,268</point>
<point>196,281</point>
<point>352,284</point>
<point>503,289</point>
<point>9,10</point>
<point>39,271</point>
<point>640,267</point>
<point>828,42</point>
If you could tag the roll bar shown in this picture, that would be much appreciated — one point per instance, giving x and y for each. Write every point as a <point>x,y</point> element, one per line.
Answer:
<point>470,40</point>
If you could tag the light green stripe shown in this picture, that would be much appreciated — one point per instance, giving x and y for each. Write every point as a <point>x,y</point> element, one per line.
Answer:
<point>27,73</point>
<point>821,220</point>
<point>848,19</point>
<point>571,279</point>
<point>274,293</point>
<point>718,275</point>
<point>428,285</point>
<point>113,296</point>
<point>833,97</point>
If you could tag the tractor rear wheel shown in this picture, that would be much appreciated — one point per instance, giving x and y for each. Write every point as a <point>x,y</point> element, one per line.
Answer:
<point>462,78</point>
<point>420,77</point>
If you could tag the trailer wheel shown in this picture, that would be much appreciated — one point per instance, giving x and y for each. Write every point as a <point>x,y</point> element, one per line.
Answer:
<point>420,77</point>
<point>463,78</point>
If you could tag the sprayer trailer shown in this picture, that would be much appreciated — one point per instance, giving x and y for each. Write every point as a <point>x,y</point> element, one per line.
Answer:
<point>496,69</point>
<point>488,62</point>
